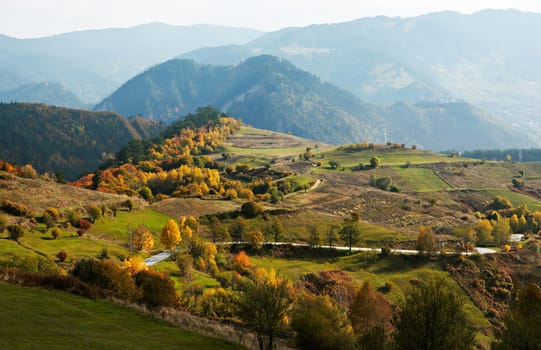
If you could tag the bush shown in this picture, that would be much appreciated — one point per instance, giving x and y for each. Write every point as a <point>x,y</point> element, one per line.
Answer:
<point>251,209</point>
<point>158,289</point>
<point>108,275</point>
<point>62,256</point>
<point>15,232</point>
<point>17,209</point>
<point>55,232</point>
<point>83,224</point>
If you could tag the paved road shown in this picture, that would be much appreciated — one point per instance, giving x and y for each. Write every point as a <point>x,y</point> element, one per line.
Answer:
<point>166,253</point>
<point>154,259</point>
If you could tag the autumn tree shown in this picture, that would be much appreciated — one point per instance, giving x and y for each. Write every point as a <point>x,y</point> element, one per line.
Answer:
<point>50,217</point>
<point>319,323</point>
<point>170,236</point>
<point>521,324</point>
<point>256,238</point>
<point>370,315</point>
<point>142,238</point>
<point>426,240</point>
<point>350,233</point>
<point>55,232</point>
<point>433,317</point>
<point>501,231</point>
<point>483,230</point>
<point>263,305</point>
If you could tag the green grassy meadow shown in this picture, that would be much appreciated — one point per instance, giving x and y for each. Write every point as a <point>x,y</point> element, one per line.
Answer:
<point>34,318</point>
<point>422,179</point>
<point>116,228</point>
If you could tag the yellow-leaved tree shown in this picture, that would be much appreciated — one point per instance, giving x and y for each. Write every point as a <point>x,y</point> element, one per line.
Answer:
<point>170,236</point>
<point>142,238</point>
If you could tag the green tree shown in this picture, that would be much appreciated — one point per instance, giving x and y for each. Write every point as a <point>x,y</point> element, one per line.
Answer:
<point>332,235</point>
<point>251,209</point>
<point>333,164</point>
<point>218,232</point>
<point>314,238</point>
<point>3,223</point>
<point>263,305</point>
<point>94,212</point>
<point>238,229</point>
<point>170,236</point>
<point>521,324</point>
<point>374,162</point>
<point>350,233</point>
<point>15,232</point>
<point>320,324</point>
<point>433,317</point>
<point>146,193</point>
<point>274,231</point>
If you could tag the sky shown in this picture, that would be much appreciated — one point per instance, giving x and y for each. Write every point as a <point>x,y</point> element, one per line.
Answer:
<point>37,18</point>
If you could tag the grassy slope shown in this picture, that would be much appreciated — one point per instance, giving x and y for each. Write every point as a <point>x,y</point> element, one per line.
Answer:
<point>116,228</point>
<point>34,318</point>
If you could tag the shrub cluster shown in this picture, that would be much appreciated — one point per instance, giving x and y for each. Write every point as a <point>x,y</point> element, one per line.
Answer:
<point>17,209</point>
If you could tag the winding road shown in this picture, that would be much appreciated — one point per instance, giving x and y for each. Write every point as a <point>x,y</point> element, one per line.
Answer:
<point>164,255</point>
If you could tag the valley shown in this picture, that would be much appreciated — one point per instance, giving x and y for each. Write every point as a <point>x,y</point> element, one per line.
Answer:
<point>367,183</point>
<point>448,194</point>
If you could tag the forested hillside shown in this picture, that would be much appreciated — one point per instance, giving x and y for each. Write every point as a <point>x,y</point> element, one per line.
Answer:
<point>271,93</point>
<point>70,141</point>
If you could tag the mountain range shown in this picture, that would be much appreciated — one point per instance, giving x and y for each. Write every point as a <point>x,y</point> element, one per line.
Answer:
<point>92,63</point>
<point>491,59</point>
<point>272,93</point>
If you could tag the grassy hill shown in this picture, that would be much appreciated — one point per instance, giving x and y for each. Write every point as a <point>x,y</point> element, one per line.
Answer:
<point>47,319</point>
<point>432,189</point>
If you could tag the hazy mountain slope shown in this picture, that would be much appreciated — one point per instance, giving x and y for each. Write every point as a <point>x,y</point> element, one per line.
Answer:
<point>92,63</point>
<point>51,93</point>
<point>491,59</point>
<point>61,139</point>
<point>270,93</point>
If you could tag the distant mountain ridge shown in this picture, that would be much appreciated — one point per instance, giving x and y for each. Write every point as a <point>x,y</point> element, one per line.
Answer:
<point>491,59</point>
<point>67,140</point>
<point>51,93</point>
<point>92,63</point>
<point>270,93</point>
